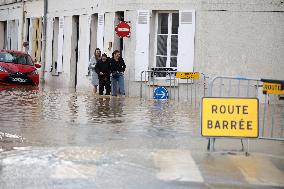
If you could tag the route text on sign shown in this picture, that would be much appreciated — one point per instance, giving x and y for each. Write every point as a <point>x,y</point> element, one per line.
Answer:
<point>272,88</point>
<point>229,117</point>
<point>188,75</point>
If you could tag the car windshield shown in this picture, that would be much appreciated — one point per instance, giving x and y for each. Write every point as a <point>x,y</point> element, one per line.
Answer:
<point>15,58</point>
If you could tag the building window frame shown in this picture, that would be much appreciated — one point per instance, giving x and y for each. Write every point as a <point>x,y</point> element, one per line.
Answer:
<point>169,40</point>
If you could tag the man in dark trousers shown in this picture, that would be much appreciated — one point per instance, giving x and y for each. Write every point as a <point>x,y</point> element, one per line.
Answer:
<point>117,67</point>
<point>103,70</point>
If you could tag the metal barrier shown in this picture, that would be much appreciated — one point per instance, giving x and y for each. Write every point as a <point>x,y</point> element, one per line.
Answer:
<point>153,78</point>
<point>273,110</point>
<point>272,120</point>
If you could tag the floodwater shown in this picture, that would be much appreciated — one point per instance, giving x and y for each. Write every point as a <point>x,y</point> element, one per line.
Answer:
<point>59,138</point>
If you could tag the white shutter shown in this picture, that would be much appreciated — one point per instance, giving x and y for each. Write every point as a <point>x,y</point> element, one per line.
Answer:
<point>142,43</point>
<point>60,45</point>
<point>88,39</point>
<point>9,35</point>
<point>83,45</point>
<point>100,32</point>
<point>31,37</point>
<point>49,37</point>
<point>186,34</point>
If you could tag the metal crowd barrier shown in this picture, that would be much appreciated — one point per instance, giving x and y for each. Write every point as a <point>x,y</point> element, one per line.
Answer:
<point>194,88</point>
<point>271,113</point>
<point>273,110</point>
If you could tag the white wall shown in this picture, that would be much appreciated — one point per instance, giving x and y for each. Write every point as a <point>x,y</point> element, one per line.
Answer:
<point>34,8</point>
<point>240,43</point>
<point>242,37</point>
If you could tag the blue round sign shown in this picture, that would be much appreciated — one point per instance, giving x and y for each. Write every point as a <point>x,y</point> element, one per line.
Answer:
<point>161,93</point>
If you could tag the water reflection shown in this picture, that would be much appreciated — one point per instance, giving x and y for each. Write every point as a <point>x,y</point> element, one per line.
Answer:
<point>57,117</point>
<point>103,107</point>
<point>73,107</point>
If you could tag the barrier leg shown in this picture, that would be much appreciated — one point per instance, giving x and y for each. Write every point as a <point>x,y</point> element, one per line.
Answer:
<point>178,89</point>
<point>272,120</point>
<point>243,148</point>
<point>247,152</point>
<point>187,89</point>
<point>174,88</point>
<point>264,114</point>
<point>141,85</point>
<point>170,96</point>
<point>191,91</point>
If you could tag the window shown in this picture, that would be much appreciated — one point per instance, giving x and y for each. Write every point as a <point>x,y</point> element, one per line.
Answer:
<point>167,40</point>
<point>16,58</point>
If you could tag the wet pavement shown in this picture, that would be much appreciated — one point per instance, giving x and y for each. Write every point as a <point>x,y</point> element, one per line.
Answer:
<point>58,138</point>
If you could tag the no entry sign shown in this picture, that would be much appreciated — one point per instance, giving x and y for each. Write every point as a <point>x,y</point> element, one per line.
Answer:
<point>123,29</point>
<point>229,117</point>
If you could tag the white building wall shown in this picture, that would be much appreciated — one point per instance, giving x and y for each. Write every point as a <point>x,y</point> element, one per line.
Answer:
<point>12,10</point>
<point>12,13</point>
<point>240,43</point>
<point>244,37</point>
<point>34,9</point>
<point>225,34</point>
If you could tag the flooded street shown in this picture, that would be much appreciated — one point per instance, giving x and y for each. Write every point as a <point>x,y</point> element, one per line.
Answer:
<point>57,138</point>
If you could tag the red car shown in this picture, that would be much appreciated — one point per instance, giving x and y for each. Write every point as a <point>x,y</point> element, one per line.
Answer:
<point>18,68</point>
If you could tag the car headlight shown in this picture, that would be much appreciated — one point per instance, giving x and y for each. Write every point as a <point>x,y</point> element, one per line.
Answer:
<point>35,72</point>
<point>2,69</point>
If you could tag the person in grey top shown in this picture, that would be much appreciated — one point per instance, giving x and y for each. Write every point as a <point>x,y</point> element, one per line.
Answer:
<point>26,47</point>
<point>93,61</point>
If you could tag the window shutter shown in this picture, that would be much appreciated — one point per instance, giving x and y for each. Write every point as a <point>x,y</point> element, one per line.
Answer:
<point>30,38</point>
<point>60,45</point>
<point>186,41</point>
<point>87,45</point>
<point>84,42</point>
<point>142,43</point>
<point>100,32</point>
<point>49,36</point>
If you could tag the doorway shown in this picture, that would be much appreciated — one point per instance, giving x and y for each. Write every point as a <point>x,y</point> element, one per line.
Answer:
<point>3,35</point>
<point>118,42</point>
<point>55,45</point>
<point>74,51</point>
<point>93,34</point>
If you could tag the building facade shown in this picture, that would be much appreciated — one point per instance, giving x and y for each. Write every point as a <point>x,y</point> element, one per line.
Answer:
<point>215,37</point>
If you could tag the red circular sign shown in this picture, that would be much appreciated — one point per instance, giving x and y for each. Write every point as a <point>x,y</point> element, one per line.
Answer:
<point>123,29</point>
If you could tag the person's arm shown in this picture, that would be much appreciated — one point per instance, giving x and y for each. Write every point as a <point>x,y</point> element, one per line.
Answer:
<point>92,63</point>
<point>109,69</point>
<point>97,68</point>
<point>123,65</point>
<point>111,66</point>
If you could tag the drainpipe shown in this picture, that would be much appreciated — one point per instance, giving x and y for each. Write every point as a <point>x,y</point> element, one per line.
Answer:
<point>44,41</point>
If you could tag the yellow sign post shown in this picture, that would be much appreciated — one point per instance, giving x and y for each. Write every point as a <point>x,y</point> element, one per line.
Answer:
<point>272,88</point>
<point>188,75</point>
<point>229,117</point>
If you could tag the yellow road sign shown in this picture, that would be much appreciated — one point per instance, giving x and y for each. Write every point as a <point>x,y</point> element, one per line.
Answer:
<point>229,117</point>
<point>272,88</point>
<point>188,75</point>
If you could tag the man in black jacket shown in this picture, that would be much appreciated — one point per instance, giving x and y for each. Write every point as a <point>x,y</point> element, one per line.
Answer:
<point>117,67</point>
<point>103,70</point>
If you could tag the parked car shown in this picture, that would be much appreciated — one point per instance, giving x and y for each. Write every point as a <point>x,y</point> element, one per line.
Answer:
<point>18,68</point>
